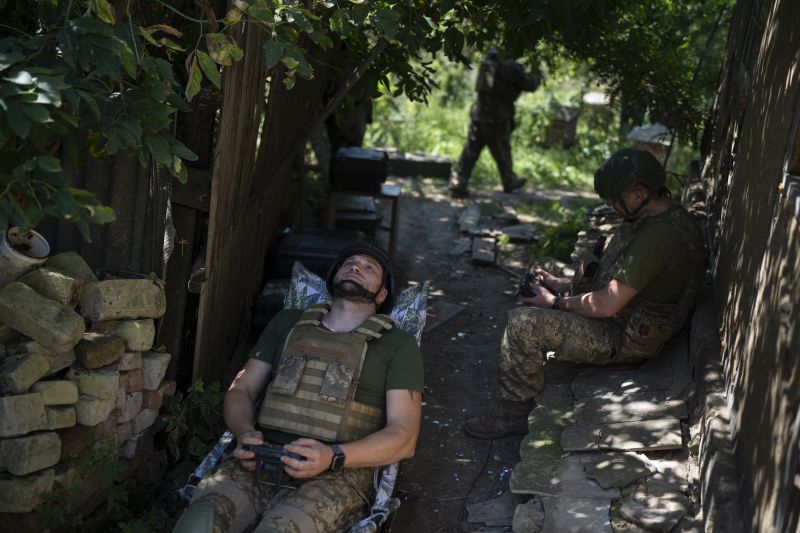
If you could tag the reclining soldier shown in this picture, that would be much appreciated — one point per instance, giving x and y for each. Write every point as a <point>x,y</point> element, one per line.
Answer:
<point>640,296</point>
<point>346,396</point>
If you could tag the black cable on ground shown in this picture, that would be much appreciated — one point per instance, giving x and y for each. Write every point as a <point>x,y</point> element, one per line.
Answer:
<point>472,486</point>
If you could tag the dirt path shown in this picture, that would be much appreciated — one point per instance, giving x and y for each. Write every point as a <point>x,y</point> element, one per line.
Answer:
<point>460,364</point>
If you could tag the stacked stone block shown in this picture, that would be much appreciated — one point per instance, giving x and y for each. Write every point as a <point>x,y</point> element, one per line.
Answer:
<point>76,365</point>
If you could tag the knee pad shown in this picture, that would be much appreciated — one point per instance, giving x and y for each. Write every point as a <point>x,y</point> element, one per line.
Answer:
<point>198,518</point>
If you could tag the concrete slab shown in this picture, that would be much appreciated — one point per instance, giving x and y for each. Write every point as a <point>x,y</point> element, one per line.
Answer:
<point>616,469</point>
<point>642,435</point>
<point>540,453</point>
<point>611,407</point>
<point>494,512</point>
<point>657,514</point>
<point>528,517</point>
<point>569,480</point>
<point>619,380</point>
<point>576,515</point>
<point>556,397</point>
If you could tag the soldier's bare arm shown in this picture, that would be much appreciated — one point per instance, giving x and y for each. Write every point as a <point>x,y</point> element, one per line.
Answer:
<point>602,303</point>
<point>394,442</point>
<point>238,407</point>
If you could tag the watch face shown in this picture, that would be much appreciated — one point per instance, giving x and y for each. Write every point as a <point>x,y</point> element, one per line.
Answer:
<point>338,462</point>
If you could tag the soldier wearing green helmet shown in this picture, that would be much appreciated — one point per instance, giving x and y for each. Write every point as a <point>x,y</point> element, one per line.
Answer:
<point>639,297</point>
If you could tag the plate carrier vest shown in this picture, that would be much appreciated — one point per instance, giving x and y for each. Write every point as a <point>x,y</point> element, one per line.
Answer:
<point>642,327</point>
<point>313,391</point>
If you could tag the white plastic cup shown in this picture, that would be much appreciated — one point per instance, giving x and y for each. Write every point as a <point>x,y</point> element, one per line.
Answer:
<point>15,262</point>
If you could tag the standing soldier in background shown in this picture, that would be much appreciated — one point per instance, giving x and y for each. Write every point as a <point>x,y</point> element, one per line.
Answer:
<point>492,121</point>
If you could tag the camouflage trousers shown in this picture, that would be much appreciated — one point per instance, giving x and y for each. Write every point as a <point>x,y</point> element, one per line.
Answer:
<point>227,501</point>
<point>495,135</point>
<point>532,332</point>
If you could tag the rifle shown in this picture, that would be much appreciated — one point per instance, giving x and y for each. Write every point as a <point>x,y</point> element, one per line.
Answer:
<point>269,468</point>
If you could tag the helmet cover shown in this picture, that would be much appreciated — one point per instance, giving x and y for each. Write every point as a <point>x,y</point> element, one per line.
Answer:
<point>626,167</point>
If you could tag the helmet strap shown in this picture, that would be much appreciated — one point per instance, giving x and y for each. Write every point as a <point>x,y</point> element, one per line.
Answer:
<point>629,216</point>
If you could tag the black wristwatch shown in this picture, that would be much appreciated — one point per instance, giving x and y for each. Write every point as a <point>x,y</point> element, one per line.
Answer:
<point>337,463</point>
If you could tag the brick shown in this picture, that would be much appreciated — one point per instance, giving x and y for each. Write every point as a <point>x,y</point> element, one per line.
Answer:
<point>130,361</point>
<point>138,334</point>
<point>72,264</point>
<point>24,494</point>
<point>131,381</point>
<point>55,285</point>
<point>128,405</point>
<point>56,360</point>
<point>59,360</point>
<point>21,414</point>
<point>143,420</point>
<point>102,383</point>
<point>152,399</point>
<point>122,298</point>
<point>24,455</point>
<point>97,350</point>
<point>60,392</point>
<point>46,321</point>
<point>123,432</point>
<point>19,372</point>
<point>7,334</point>
<point>92,411</point>
<point>168,387</point>
<point>75,440</point>
<point>154,368</point>
<point>139,444</point>
<point>60,417</point>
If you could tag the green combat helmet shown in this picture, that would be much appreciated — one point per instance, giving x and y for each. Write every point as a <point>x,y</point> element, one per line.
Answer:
<point>626,167</point>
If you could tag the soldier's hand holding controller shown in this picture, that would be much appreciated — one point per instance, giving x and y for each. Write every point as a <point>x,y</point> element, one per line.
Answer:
<point>317,458</point>
<point>247,458</point>
<point>542,296</point>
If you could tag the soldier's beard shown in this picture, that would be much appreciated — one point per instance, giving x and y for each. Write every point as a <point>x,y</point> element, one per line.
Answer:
<point>353,292</point>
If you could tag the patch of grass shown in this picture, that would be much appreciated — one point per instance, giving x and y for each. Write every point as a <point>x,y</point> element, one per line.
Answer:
<point>558,238</point>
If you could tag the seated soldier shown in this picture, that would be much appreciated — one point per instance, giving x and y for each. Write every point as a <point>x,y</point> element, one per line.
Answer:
<point>346,396</point>
<point>640,296</point>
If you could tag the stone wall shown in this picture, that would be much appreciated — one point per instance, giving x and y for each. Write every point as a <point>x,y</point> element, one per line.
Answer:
<point>77,371</point>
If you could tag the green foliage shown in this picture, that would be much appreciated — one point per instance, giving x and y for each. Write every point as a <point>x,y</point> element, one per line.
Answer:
<point>558,238</point>
<point>80,83</point>
<point>195,417</point>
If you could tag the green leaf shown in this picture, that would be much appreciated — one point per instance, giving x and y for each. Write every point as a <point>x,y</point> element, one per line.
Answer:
<point>8,59</point>
<point>104,11</point>
<point>23,77</point>
<point>273,51</point>
<point>209,67</point>
<point>37,113</point>
<point>102,214</point>
<point>159,149</point>
<point>339,22</point>
<point>148,36</point>
<point>387,21</point>
<point>180,150</point>
<point>288,83</point>
<point>195,78</point>
<point>179,170</point>
<point>290,62</point>
<point>48,164</point>
<point>18,122</point>
<point>127,59</point>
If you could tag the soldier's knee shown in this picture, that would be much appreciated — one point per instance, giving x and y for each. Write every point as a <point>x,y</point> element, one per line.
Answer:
<point>198,518</point>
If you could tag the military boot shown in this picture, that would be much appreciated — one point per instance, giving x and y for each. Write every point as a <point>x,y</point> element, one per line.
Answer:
<point>514,184</point>
<point>503,418</point>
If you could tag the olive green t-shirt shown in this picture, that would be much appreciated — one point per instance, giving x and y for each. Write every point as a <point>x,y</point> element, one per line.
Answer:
<point>657,264</point>
<point>392,362</point>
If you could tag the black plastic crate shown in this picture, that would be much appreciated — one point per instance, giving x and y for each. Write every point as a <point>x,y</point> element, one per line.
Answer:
<point>317,249</point>
<point>359,169</point>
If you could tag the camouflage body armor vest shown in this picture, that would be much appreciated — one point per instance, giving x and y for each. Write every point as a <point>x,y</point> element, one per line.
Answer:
<point>313,391</point>
<point>642,327</point>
